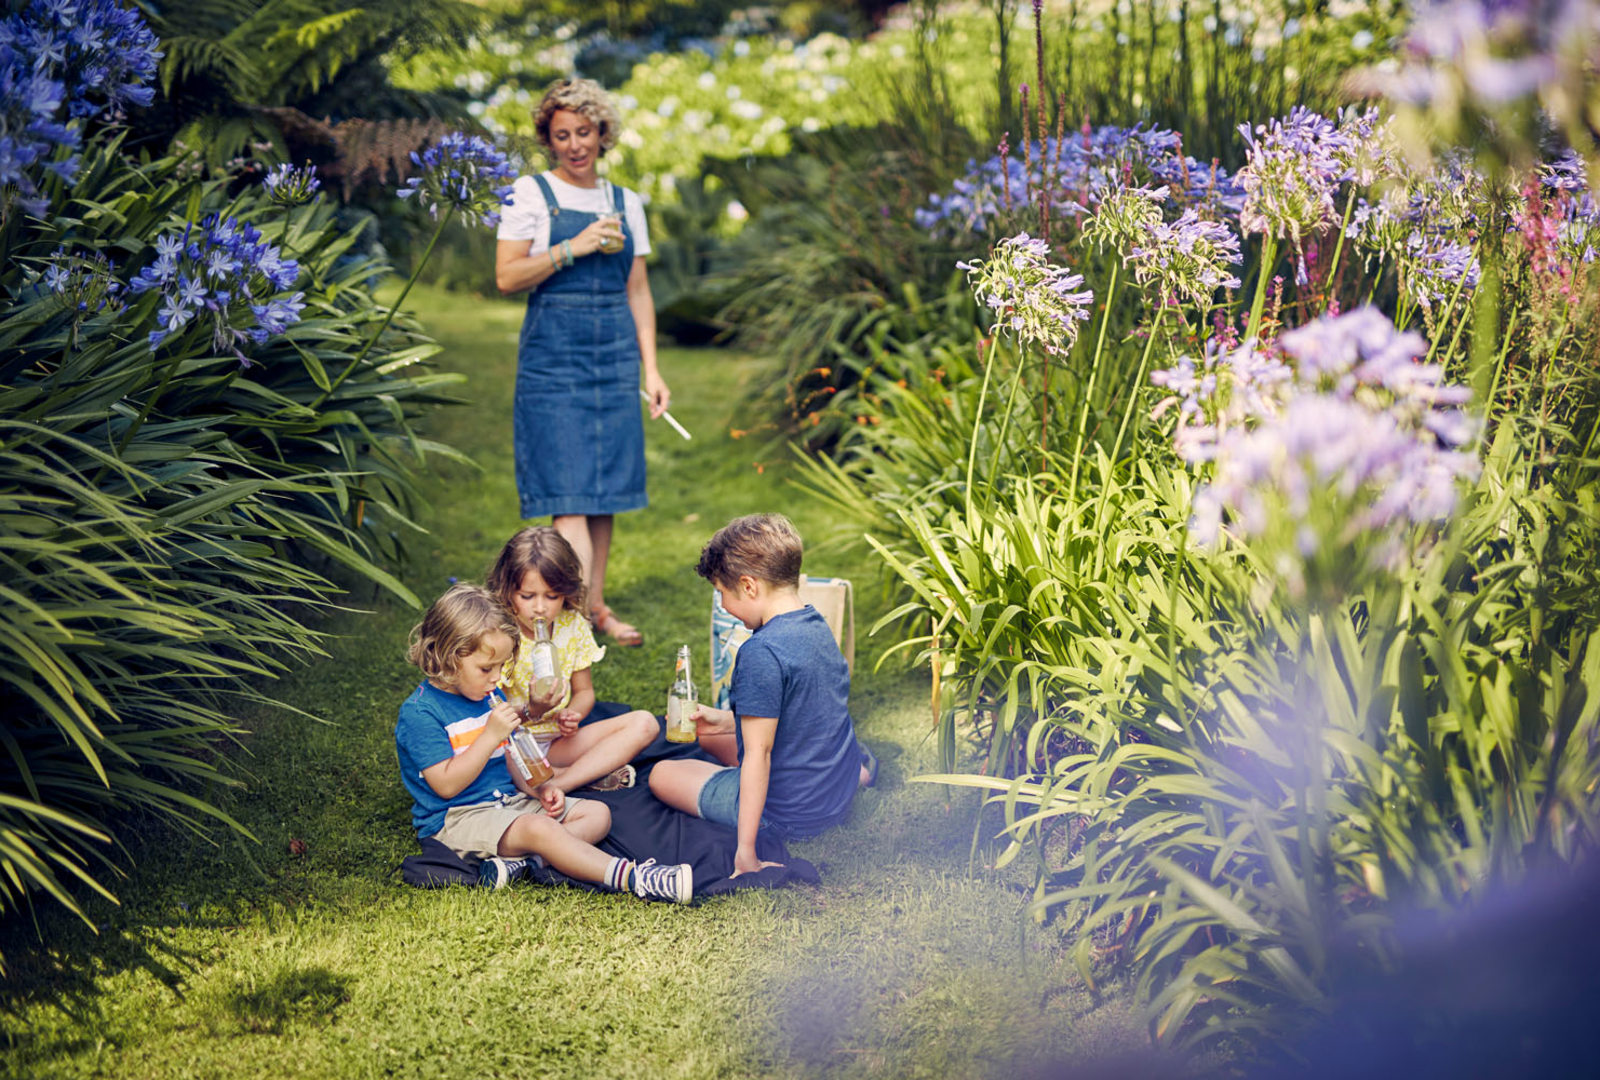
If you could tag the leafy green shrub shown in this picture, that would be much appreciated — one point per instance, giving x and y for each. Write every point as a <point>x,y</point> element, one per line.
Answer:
<point>1241,764</point>
<point>192,458</point>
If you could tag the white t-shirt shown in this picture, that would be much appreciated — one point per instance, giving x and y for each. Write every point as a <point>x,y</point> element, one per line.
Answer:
<point>527,217</point>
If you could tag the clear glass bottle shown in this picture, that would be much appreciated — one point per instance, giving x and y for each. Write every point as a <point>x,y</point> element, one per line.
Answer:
<point>546,672</point>
<point>544,677</point>
<point>535,767</point>
<point>681,702</point>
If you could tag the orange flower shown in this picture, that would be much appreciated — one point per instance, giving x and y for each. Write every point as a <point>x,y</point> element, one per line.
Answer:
<point>735,433</point>
<point>760,468</point>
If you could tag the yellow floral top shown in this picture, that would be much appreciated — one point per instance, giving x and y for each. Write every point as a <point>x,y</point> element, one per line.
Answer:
<point>575,650</point>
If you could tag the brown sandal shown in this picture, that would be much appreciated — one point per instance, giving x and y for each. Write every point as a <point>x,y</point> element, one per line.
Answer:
<point>606,621</point>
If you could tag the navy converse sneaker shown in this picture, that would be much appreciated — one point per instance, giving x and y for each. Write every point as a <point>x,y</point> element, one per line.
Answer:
<point>656,882</point>
<point>496,872</point>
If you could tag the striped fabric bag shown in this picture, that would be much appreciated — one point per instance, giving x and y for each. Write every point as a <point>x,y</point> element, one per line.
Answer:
<point>834,601</point>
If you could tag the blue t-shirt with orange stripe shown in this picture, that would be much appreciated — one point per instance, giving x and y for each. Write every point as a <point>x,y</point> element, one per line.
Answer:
<point>434,725</point>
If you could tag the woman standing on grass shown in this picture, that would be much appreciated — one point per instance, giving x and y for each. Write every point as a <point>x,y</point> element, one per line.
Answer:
<point>577,244</point>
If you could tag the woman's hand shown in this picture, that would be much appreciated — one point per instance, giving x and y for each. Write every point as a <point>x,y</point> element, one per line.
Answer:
<point>660,396</point>
<point>594,236</point>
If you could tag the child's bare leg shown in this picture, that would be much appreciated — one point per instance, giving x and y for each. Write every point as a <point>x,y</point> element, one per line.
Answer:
<point>678,783</point>
<point>566,847</point>
<point>599,748</point>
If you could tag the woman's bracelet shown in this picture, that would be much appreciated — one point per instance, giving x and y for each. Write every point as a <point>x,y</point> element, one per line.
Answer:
<point>561,255</point>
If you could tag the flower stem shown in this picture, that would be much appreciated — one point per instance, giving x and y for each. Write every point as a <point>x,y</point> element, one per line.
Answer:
<point>1094,370</point>
<point>1269,258</point>
<point>1138,383</point>
<point>1338,247</point>
<point>387,319</point>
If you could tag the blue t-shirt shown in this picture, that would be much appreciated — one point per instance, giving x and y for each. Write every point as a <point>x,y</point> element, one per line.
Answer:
<point>435,724</point>
<point>792,669</point>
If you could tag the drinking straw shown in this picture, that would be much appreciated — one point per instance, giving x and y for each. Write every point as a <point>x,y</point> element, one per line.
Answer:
<point>666,416</point>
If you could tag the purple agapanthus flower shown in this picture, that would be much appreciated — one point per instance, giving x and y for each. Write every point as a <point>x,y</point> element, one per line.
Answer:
<point>223,267</point>
<point>1032,299</point>
<point>290,186</point>
<point>91,57</point>
<point>1361,420</point>
<point>1187,258</point>
<point>460,173</point>
<point>1294,166</point>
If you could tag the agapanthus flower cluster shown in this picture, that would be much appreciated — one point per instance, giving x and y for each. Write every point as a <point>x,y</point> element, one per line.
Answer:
<point>1187,258</point>
<point>1085,167</point>
<point>1124,217</point>
<point>81,284</point>
<point>223,269</point>
<point>1572,209</point>
<point>91,56</point>
<point>287,185</point>
<point>464,174</point>
<point>1364,428</point>
<point>1426,226</point>
<point>1493,52</point>
<point>1228,385</point>
<point>1033,300</point>
<point>1295,166</point>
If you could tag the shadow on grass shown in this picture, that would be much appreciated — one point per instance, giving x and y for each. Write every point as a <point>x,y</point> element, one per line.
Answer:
<point>291,994</point>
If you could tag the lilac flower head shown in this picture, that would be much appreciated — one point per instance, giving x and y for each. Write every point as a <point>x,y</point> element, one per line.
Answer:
<point>1293,169</point>
<point>1033,300</point>
<point>461,173</point>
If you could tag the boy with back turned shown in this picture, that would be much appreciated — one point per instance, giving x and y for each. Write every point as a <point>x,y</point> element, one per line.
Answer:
<point>790,760</point>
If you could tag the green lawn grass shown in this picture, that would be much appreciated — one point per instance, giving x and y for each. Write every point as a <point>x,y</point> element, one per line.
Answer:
<point>232,958</point>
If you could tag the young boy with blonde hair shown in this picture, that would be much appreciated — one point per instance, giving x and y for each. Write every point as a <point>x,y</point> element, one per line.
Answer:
<point>451,740</point>
<point>791,763</point>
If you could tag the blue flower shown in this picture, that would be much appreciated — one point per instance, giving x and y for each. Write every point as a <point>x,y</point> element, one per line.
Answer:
<point>459,173</point>
<point>289,186</point>
<point>91,56</point>
<point>222,267</point>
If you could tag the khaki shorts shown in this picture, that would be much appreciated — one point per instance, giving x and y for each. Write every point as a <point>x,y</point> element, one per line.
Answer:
<point>477,829</point>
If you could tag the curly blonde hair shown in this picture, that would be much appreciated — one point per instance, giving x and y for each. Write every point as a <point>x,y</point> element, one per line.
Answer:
<point>584,96</point>
<point>454,627</point>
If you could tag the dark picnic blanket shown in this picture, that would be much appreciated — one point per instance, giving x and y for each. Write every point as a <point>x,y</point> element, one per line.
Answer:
<point>642,827</point>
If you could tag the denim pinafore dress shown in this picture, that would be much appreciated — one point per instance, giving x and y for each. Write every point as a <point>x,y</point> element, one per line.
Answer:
<point>577,430</point>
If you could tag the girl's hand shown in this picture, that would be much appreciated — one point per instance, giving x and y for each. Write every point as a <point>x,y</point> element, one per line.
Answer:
<point>594,235</point>
<point>552,798</point>
<point>568,720</point>
<point>660,395</point>
<point>538,706</point>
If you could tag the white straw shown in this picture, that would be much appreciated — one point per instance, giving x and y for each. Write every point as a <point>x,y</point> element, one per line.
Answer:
<point>666,416</point>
